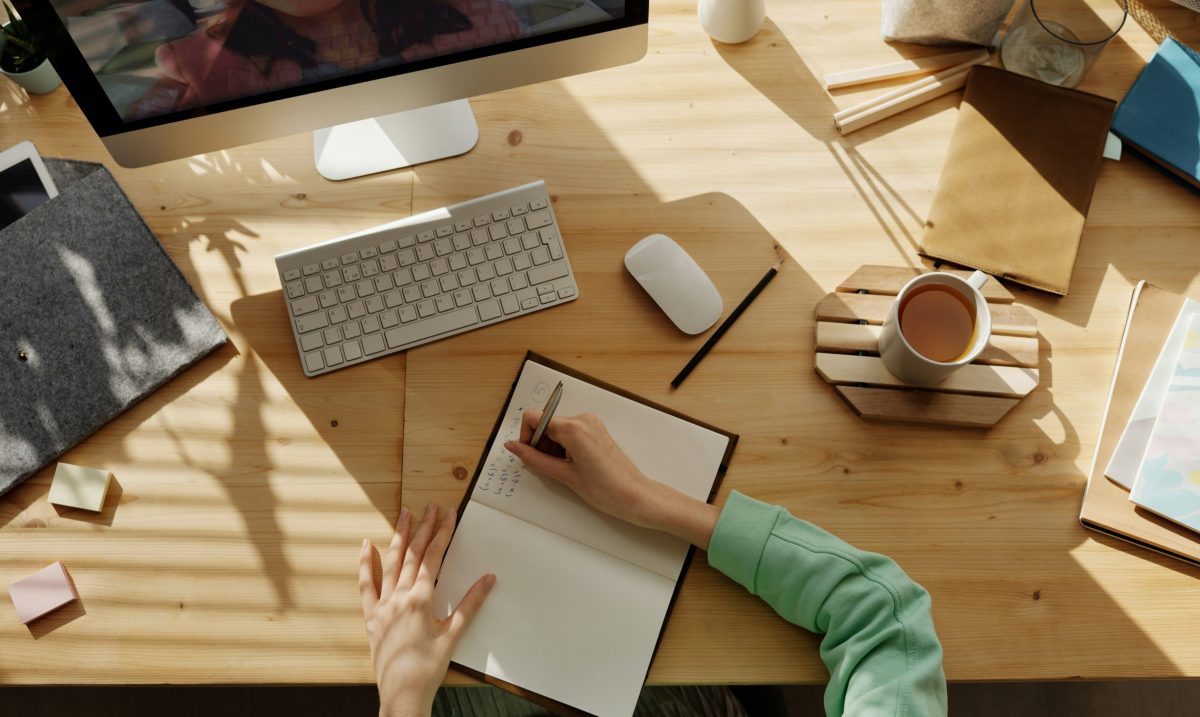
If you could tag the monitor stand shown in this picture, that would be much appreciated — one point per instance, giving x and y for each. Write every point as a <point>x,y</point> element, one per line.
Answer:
<point>394,141</point>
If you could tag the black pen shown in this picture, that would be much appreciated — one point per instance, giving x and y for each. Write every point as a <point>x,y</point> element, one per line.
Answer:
<point>712,340</point>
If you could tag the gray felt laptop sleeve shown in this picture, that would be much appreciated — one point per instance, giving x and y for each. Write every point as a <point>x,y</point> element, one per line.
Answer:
<point>94,316</point>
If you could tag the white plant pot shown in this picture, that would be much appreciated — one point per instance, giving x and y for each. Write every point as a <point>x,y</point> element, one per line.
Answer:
<point>731,21</point>
<point>38,81</point>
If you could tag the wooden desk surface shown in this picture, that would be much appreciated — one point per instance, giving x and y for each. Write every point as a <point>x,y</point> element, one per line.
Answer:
<point>228,552</point>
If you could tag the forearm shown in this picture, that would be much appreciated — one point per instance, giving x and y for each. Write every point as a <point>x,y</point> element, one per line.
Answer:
<point>663,508</point>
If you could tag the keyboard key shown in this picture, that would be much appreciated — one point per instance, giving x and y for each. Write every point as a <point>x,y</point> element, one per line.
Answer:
<point>388,319</point>
<point>313,284</point>
<point>485,272</point>
<point>509,304</point>
<point>517,282</point>
<point>330,264</point>
<point>356,309</point>
<point>333,355</point>
<point>370,324</point>
<point>365,288</point>
<point>332,335</point>
<point>555,251</point>
<point>295,289</point>
<point>370,268</point>
<point>313,362</point>
<point>504,267</point>
<point>338,315</point>
<point>481,220</point>
<point>500,215</point>
<point>407,257</point>
<point>481,292</point>
<point>514,226</point>
<point>311,322</point>
<point>310,269</point>
<point>405,242</point>
<point>352,351</point>
<point>372,344</point>
<point>449,321</point>
<point>489,309</point>
<point>443,247</point>
<point>458,262</point>
<point>439,267</point>
<point>547,235</point>
<point>566,293</point>
<point>537,204</point>
<point>351,274</point>
<point>547,298</point>
<point>497,232</point>
<point>546,289</point>
<point>307,305</point>
<point>549,272</point>
<point>407,314</point>
<point>511,246</point>
<point>389,262</point>
<point>374,305</point>
<point>351,330</point>
<point>529,303</point>
<point>444,303</point>
<point>461,242</point>
<point>387,247</point>
<point>444,230</point>
<point>425,252</point>
<point>537,220</point>
<point>494,251</point>
<point>349,258</point>
<point>311,342</point>
<point>420,272</point>
<point>521,262</point>
<point>291,275</point>
<point>519,209</point>
<point>333,278</point>
<point>466,277</point>
<point>449,282</point>
<point>525,294</point>
<point>393,299</point>
<point>427,235</point>
<point>530,240</point>
<point>499,287</point>
<point>346,293</point>
<point>475,257</point>
<point>426,308</point>
<point>412,293</point>
<point>462,226</point>
<point>462,297</point>
<point>479,237</point>
<point>540,256</point>
<point>369,252</point>
<point>383,282</point>
<point>402,278</point>
<point>430,288</point>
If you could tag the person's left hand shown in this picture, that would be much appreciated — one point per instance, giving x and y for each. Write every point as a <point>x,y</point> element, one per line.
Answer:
<point>410,646</point>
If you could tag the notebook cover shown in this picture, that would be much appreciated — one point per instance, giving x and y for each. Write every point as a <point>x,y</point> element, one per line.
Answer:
<point>1018,179</point>
<point>100,312</point>
<point>1106,507</point>
<point>1160,115</point>
<point>553,705</point>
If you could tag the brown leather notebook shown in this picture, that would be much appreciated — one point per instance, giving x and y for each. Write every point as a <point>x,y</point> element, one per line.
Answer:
<point>1106,505</point>
<point>1018,180</point>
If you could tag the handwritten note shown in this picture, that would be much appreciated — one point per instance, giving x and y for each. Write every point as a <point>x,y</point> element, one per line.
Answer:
<point>503,472</point>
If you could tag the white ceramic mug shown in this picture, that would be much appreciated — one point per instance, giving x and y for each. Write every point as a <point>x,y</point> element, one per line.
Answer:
<point>904,361</point>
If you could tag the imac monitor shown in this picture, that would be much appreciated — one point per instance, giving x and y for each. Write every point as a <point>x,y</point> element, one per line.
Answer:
<point>382,82</point>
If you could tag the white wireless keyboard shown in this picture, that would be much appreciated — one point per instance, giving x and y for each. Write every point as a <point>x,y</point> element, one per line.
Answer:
<point>424,278</point>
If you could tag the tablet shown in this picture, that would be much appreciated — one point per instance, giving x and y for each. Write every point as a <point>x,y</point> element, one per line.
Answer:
<point>24,182</point>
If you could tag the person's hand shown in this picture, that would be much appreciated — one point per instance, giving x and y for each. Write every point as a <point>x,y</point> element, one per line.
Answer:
<point>578,452</point>
<point>410,646</point>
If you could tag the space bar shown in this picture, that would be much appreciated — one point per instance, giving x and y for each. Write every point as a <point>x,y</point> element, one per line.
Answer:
<point>433,326</point>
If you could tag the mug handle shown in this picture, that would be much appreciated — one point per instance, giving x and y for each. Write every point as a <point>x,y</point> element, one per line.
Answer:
<point>977,280</point>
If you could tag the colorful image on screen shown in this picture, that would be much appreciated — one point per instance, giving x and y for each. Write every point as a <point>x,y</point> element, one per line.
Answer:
<point>161,56</point>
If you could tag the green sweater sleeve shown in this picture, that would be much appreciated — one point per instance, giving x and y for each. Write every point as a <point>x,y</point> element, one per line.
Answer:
<point>879,644</point>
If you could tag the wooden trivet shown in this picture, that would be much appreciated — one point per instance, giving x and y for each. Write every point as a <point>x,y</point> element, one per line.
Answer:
<point>977,395</point>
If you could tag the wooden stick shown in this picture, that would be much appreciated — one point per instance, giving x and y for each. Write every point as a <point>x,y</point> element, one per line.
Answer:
<point>841,115</point>
<point>903,68</point>
<point>907,101</point>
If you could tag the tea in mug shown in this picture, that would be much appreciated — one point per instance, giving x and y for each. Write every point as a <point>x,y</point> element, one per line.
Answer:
<point>938,322</point>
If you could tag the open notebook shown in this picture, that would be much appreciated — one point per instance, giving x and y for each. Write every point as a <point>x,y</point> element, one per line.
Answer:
<point>581,598</point>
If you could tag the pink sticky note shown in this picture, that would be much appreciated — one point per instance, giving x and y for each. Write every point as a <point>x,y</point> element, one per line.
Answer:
<point>48,589</point>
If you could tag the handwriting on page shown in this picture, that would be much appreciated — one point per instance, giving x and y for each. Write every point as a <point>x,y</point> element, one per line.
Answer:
<point>504,472</point>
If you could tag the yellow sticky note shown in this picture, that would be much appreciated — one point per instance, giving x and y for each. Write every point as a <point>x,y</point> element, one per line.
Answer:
<point>79,487</point>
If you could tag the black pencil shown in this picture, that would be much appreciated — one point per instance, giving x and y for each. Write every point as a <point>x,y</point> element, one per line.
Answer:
<point>733,315</point>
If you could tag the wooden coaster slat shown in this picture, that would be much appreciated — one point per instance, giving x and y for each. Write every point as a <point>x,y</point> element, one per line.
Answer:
<point>873,308</point>
<point>1011,381</point>
<point>889,280</point>
<point>954,409</point>
<point>855,338</point>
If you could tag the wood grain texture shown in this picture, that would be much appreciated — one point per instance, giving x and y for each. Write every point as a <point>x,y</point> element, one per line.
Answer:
<point>875,279</point>
<point>953,409</point>
<point>873,308</point>
<point>864,338</point>
<point>227,550</point>
<point>1010,381</point>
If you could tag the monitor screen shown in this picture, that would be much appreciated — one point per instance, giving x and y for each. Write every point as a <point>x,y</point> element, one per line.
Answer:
<point>161,60</point>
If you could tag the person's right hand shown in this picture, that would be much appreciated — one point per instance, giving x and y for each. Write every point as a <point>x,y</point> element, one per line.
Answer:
<point>578,452</point>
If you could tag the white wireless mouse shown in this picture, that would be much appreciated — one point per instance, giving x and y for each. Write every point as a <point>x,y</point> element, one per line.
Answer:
<point>676,283</point>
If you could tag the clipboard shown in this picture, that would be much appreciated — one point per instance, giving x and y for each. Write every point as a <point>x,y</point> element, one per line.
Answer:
<point>549,703</point>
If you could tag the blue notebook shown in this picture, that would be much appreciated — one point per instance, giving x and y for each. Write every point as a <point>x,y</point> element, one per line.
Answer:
<point>1160,117</point>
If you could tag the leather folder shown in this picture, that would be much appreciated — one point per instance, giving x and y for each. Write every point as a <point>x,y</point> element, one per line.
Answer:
<point>1018,179</point>
<point>1106,506</point>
